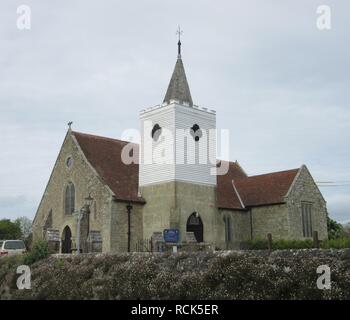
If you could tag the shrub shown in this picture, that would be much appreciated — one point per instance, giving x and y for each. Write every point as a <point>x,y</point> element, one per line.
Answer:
<point>335,229</point>
<point>39,251</point>
<point>28,241</point>
<point>292,244</point>
<point>256,244</point>
<point>339,243</point>
<point>262,244</point>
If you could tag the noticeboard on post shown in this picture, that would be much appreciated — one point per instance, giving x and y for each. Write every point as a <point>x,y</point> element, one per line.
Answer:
<point>171,235</point>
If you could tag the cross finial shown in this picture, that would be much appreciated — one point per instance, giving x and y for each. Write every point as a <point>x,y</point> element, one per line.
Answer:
<point>70,124</point>
<point>179,32</point>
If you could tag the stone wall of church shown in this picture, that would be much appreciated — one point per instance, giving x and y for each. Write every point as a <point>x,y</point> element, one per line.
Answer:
<point>169,205</point>
<point>240,228</point>
<point>85,181</point>
<point>305,190</point>
<point>119,227</point>
<point>160,201</point>
<point>198,198</point>
<point>284,221</point>
<point>272,219</point>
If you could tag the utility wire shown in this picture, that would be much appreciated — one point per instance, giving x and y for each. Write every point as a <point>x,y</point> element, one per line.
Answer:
<point>339,183</point>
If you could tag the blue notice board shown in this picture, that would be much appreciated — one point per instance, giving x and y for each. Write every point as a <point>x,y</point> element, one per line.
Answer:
<point>171,235</point>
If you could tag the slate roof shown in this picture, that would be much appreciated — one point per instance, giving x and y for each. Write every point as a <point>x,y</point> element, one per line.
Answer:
<point>104,154</point>
<point>178,88</point>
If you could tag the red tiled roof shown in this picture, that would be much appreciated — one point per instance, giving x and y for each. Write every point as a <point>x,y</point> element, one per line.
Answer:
<point>267,188</point>
<point>225,193</point>
<point>104,154</point>
<point>257,190</point>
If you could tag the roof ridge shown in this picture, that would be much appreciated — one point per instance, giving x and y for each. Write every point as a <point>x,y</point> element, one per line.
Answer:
<point>102,137</point>
<point>240,167</point>
<point>274,172</point>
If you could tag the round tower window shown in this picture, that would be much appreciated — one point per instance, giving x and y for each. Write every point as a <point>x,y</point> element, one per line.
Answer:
<point>156,132</point>
<point>196,132</point>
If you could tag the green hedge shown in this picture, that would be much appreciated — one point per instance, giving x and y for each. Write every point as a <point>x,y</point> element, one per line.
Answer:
<point>262,244</point>
<point>339,243</point>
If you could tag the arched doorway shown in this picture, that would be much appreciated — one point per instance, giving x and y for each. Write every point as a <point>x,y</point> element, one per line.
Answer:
<point>66,240</point>
<point>195,225</point>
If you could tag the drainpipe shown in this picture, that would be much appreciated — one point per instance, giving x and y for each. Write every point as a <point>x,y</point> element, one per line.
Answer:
<point>251,224</point>
<point>129,208</point>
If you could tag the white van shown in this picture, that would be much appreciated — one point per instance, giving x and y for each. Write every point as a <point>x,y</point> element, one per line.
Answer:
<point>11,247</point>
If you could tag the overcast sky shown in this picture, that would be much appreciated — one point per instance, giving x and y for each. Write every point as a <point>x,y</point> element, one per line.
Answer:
<point>277,82</point>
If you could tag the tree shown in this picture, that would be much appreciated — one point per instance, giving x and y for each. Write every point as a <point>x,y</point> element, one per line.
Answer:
<point>347,229</point>
<point>10,230</point>
<point>335,229</point>
<point>25,225</point>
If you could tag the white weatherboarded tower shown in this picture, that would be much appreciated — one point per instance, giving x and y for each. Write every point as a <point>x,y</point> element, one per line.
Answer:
<point>178,160</point>
<point>178,138</point>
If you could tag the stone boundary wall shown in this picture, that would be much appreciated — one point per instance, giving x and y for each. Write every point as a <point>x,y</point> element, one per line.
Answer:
<point>285,274</point>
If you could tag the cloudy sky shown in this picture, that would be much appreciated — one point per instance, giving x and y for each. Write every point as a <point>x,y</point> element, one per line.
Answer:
<point>277,82</point>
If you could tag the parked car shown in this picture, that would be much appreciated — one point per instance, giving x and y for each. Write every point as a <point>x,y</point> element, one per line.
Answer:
<point>11,247</point>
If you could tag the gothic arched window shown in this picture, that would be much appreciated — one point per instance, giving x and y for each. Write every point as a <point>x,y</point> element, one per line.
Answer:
<point>228,229</point>
<point>69,199</point>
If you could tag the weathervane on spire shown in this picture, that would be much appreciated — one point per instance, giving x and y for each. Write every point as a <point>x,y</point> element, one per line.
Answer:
<point>179,32</point>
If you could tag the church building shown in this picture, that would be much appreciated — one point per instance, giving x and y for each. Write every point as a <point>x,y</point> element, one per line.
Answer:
<point>174,181</point>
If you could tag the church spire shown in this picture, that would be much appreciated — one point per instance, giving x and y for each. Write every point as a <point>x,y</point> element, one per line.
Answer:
<point>178,88</point>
